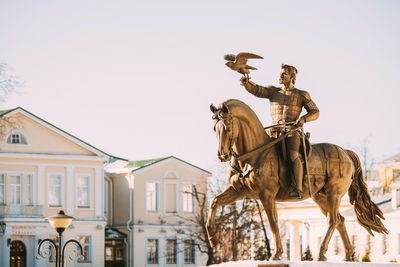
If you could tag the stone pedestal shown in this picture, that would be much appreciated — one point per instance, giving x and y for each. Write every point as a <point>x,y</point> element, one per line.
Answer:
<point>300,264</point>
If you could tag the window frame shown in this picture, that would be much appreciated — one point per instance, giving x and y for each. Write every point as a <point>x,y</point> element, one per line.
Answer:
<point>194,204</point>
<point>89,189</point>
<point>176,184</point>
<point>21,137</point>
<point>21,188</point>
<point>176,251</point>
<point>90,245</point>
<point>184,252</point>
<point>62,175</point>
<point>157,200</point>
<point>157,251</point>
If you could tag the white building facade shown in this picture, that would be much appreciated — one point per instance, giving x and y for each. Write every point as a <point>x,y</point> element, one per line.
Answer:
<point>44,169</point>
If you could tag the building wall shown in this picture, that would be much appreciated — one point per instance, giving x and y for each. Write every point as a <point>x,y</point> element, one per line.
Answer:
<point>50,151</point>
<point>159,224</point>
<point>163,174</point>
<point>120,202</point>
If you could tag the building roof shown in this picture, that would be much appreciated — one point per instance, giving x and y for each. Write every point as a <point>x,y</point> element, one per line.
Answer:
<point>393,158</point>
<point>9,112</point>
<point>124,166</point>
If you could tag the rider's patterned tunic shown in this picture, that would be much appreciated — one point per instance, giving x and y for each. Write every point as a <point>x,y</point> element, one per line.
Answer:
<point>286,105</point>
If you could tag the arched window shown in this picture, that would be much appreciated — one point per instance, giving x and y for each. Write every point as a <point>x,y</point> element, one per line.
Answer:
<point>16,138</point>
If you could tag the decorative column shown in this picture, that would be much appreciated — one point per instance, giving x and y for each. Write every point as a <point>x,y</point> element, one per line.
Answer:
<point>98,192</point>
<point>5,261</point>
<point>41,189</point>
<point>295,253</point>
<point>71,192</point>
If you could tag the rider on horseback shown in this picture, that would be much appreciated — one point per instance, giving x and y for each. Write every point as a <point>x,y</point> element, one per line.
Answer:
<point>287,103</point>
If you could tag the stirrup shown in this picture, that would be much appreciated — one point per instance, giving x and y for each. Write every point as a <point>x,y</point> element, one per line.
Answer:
<point>296,194</point>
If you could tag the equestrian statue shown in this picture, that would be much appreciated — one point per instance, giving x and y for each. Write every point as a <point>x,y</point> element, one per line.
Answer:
<point>280,165</point>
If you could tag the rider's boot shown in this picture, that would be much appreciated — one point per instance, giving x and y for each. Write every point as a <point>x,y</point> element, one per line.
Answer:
<point>298,176</point>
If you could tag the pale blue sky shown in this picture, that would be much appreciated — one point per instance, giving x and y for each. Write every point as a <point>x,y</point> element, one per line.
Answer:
<point>136,78</point>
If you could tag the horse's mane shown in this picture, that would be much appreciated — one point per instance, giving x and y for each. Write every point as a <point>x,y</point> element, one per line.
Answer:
<point>241,110</point>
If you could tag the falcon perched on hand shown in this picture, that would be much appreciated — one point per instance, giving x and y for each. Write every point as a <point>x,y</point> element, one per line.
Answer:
<point>239,62</point>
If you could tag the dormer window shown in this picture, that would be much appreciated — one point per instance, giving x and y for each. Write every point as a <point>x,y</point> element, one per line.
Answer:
<point>17,138</point>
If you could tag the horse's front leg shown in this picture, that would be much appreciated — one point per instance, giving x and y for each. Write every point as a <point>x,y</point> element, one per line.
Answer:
<point>229,196</point>
<point>268,201</point>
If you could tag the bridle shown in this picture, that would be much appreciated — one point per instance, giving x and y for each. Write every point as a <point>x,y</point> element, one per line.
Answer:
<point>230,125</point>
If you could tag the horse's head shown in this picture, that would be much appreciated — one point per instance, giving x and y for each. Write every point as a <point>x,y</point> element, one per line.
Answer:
<point>225,129</point>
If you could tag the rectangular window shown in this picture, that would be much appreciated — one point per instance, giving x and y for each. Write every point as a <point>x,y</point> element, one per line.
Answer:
<point>85,243</point>
<point>396,175</point>
<point>171,198</point>
<point>152,196</point>
<point>15,182</point>
<point>3,189</point>
<point>29,190</point>
<point>109,253</point>
<point>55,190</point>
<point>83,190</point>
<point>189,251</point>
<point>188,198</point>
<point>171,245</point>
<point>51,248</point>
<point>119,254</point>
<point>152,251</point>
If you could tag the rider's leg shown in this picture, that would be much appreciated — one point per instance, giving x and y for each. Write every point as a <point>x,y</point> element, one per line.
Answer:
<point>293,147</point>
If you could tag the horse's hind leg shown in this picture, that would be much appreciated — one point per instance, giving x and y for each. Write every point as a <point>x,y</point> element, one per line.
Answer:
<point>229,196</point>
<point>329,206</point>
<point>341,227</point>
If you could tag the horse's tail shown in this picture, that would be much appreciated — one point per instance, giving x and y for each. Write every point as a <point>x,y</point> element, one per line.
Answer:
<point>367,212</point>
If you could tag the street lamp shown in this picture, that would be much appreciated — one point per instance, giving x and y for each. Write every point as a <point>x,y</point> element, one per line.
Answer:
<point>60,222</point>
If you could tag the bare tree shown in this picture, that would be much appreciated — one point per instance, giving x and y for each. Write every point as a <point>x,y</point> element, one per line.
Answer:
<point>8,82</point>
<point>8,85</point>
<point>367,160</point>
<point>240,226</point>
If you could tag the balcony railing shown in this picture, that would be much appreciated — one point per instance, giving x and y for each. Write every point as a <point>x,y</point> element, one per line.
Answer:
<point>21,210</point>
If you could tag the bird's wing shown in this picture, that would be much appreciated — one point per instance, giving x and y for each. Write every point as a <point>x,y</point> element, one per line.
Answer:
<point>230,57</point>
<point>242,58</point>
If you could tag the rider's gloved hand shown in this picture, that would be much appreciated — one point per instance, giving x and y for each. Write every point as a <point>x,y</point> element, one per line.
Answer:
<point>244,80</point>
<point>300,122</point>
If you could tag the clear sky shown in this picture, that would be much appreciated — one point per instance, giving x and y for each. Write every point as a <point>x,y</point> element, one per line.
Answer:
<point>136,78</point>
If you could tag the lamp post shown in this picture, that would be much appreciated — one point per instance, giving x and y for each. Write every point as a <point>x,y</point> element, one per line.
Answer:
<point>59,222</point>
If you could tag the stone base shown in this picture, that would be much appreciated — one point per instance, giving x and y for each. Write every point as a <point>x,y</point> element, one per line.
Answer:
<point>300,264</point>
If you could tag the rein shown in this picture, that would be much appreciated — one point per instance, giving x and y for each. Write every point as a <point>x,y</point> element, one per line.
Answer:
<point>261,148</point>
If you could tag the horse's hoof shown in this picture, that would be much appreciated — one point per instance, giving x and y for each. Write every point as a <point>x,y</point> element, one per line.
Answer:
<point>350,257</point>
<point>276,257</point>
<point>322,258</point>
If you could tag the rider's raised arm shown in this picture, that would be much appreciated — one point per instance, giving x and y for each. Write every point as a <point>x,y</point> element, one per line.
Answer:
<point>258,90</point>
<point>310,106</point>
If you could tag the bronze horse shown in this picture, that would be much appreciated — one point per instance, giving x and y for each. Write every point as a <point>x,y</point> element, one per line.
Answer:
<point>265,176</point>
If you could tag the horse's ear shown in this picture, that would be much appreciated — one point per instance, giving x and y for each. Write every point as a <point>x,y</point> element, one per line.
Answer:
<point>225,108</point>
<point>213,108</point>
